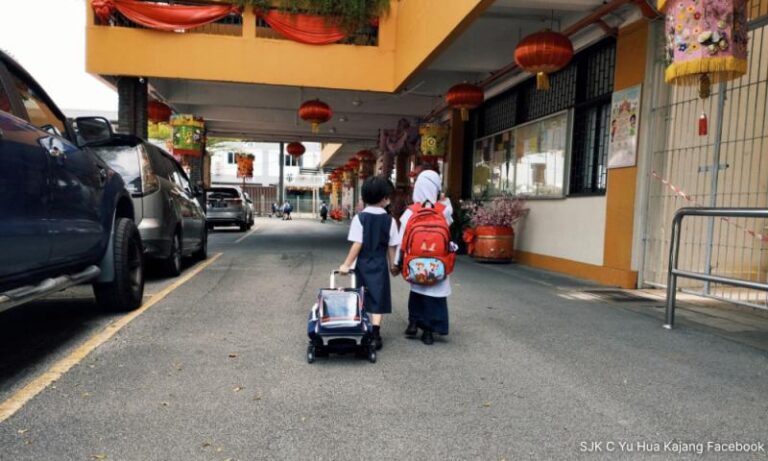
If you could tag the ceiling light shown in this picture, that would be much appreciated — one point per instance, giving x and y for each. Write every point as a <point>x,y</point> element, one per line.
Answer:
<point>333,130</point>
<point>343,118</point>
<point>357,102</point>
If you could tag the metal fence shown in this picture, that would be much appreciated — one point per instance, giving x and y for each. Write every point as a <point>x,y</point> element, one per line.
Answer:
<point>726,168</point>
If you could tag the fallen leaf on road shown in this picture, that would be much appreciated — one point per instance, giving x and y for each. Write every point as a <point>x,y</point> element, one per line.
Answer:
<point>303,418</point>
<point>238,388</point>
<point>258,397</point>
<point>86,394</point>
<point>99,456</point>
<point>165,404</point>
<point>232,356</point>
<point>486,404</point>
<point>22,431</point>
<point>228,459</point>
<point>206,444</point>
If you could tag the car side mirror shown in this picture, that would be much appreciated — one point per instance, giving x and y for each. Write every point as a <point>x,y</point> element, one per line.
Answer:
<point>92,130</point>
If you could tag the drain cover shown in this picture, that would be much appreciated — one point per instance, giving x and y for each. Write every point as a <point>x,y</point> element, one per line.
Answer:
<point>619,296</point>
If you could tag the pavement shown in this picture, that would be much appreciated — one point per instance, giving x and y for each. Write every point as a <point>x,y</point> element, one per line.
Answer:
<point>537,366</point>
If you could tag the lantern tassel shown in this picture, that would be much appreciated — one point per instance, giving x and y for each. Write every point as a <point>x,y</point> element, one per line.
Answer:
<point>315,127</point>
<point>464,114</point>
<point>542,81</point>
<point>703,124</point>
<point>705,86</point>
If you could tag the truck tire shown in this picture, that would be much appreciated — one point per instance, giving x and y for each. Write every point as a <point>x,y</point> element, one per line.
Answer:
<point>126,291</point>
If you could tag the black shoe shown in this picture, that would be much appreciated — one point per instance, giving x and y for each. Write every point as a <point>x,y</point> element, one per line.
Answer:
<point>412,329</point>
<point>378,343</point>
<point>427,338</point>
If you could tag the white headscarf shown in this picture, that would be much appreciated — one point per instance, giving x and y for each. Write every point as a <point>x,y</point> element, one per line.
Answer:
<point>427,187</point>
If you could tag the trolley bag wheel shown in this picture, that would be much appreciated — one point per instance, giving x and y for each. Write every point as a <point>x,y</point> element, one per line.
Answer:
<point>310,354</point>
<point>372,354</point>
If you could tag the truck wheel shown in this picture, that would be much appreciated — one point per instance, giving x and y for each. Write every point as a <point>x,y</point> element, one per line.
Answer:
<point>127,290</point>
<point>172,264</point>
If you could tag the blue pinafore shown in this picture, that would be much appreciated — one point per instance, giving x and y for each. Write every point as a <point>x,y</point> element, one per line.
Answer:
<point>372,268</point>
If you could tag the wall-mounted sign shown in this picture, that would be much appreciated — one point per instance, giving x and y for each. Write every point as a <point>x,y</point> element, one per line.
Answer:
<point>625,121</point>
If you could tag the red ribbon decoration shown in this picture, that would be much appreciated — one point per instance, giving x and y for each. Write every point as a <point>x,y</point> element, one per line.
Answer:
<point>302,28</point>
<point>164,17</point>
<point>469,239</point>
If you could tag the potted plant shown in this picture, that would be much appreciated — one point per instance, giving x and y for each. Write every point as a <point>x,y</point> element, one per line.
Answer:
<point>491,235</point>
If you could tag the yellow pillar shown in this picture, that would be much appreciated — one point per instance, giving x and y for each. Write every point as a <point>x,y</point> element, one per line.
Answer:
<point>631,55</point>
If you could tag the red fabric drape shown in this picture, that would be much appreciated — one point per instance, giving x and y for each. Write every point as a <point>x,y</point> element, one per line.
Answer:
<point>171,17</point>
<point>303,28</point>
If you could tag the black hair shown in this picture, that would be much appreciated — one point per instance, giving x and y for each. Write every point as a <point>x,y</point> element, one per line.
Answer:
<point>375,189</point>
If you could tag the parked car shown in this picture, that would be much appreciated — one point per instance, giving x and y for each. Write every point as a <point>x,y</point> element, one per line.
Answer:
<point>170,219</point>
<point>66,217</point>
<point>228,206</point>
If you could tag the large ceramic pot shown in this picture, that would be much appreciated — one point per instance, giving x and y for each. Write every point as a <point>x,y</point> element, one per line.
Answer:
<point>494,244</point>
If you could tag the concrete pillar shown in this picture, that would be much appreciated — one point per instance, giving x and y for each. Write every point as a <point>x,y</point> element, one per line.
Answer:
<point>132,106</point>
<point>281,183</point>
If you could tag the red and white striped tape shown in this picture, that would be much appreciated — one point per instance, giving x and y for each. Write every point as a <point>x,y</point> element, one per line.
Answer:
<point>688,197</point>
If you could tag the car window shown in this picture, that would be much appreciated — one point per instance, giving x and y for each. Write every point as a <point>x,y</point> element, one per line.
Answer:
<point>181,181</point>
<point>222,193</point>
<point>40,114</point>
<point>125,161</point>
<point>162,166</point>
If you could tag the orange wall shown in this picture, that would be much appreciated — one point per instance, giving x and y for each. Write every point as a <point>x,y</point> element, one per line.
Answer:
<point>411,34</point>
<point>631,55</point>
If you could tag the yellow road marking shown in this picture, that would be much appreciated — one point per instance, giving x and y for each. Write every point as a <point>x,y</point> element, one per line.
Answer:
<point>246,235</point>
<point>14,403</point>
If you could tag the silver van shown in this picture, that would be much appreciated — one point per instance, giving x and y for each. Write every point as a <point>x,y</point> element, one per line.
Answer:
<point>228,206</point>
<point>171,221</point>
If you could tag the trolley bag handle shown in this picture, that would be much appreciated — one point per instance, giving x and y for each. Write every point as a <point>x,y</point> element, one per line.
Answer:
<point>351,274</point>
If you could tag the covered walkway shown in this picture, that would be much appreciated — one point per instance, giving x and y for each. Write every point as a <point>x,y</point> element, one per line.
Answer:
<point>216,370</point>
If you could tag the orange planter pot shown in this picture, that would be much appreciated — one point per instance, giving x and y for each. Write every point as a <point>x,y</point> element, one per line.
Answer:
<point>494,244</point>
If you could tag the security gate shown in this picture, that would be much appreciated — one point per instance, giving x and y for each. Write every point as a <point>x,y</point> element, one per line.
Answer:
<point>728,167</point>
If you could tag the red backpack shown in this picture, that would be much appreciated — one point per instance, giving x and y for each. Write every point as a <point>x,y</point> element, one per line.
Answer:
<point>425,250</point>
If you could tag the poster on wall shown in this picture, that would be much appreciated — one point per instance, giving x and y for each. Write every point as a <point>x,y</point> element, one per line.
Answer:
<point>625,120</point>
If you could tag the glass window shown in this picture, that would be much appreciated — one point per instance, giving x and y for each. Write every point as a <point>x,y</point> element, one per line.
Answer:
<point>125,161</point>
<point>527,160</point>
<point>40,114</point>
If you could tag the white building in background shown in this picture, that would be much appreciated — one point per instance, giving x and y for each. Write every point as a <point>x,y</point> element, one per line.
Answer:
<point>301,172</point>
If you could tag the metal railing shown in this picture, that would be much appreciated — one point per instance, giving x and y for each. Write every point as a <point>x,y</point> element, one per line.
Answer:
<point>674,253</point>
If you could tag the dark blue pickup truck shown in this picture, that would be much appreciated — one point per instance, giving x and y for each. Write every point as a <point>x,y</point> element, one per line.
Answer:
<point>65,215</point>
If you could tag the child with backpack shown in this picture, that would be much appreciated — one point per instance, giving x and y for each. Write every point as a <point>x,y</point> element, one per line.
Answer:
<point>426,256</point>
<point>374,237</point>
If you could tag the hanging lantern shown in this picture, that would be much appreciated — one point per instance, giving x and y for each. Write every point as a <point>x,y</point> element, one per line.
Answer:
<point>353,164</point>
<point>464,96</point>
<point>706,42</point>
<point>434,139</point>
<point>295,149</point>
<point>103,9</point>
<point>188,135</point>
<point>158,112</point>
<point>315,112</point>
<point>543,53</point>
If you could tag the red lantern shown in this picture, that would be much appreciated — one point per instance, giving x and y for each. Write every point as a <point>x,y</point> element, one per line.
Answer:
<point>464,96</point>
<point>315,112</point>
<point>542,53</point>
<point>295,149</point>
<point>158,112</point>
<point>367,160</point>
<point>353,163</point>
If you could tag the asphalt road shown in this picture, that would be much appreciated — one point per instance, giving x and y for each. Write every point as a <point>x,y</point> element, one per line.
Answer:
<point>216,370</point>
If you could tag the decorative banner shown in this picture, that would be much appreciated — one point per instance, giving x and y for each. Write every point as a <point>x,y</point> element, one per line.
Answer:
<point>625,119</point>
<point>188,135</point>
<point>434,138</point>
<point>244,165</point>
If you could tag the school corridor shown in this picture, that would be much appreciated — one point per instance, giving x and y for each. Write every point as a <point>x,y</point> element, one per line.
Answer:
<point>537,366</point>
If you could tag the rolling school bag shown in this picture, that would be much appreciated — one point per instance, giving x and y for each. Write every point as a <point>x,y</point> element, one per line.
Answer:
<point>426,248</point>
